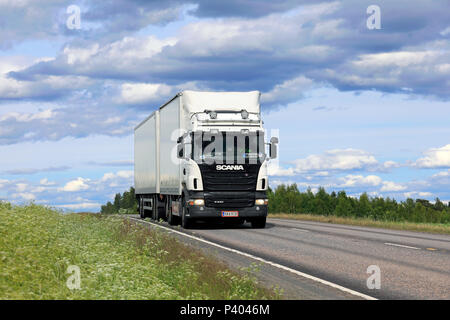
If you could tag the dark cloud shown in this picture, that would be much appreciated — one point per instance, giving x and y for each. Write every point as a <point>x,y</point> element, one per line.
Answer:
<point>255,45</point>
<point>328,43</point>
<point>78,122</point>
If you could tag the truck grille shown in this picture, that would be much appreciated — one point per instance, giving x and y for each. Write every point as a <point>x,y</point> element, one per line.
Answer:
<point>229,200</point>
<point>230,180</point>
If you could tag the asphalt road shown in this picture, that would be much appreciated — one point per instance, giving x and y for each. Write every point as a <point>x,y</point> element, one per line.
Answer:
<point>412,265</point>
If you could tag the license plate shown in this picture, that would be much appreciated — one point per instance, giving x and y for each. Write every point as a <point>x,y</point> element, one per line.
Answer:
<point>230,213</point>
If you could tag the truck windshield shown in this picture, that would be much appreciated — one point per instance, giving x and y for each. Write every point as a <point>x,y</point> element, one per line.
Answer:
<point>230,148</point>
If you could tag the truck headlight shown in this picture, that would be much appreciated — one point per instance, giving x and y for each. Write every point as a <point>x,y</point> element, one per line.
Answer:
<point>197,202</point>
<point>261,202</point>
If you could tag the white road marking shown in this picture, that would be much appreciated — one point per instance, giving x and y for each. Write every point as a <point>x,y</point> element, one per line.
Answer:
<point>297,229</point>
<point>301,274</point>
<point>400,245</point>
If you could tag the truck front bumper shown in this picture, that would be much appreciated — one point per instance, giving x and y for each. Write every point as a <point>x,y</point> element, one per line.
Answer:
<point>247,213</point>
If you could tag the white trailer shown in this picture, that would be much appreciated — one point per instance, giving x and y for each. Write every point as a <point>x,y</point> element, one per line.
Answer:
<point>176,178</point>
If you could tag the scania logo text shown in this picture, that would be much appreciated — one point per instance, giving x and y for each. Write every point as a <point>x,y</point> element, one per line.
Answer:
<point>230,167</point>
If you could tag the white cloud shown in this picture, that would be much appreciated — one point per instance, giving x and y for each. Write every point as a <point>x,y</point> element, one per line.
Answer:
<point>289,90</point>
<point>76,185</point>
<point>415,194</point>
<point>28,196</point>
<point>273,169</point>
<point>137,93</point>
<point>441,174</point>
<point>27,117</point>
<point>392,187</point>
<point>75,206</point>
<point>20,187</point>
<point>3,182</point>
<point>445,32</point>
<point>338,159</point>
<point>45,182</point>
<point>125,174</point>
<point>435,158</point>
<point>120,178</point>
<point>359,180</point>
<point>45,87</point>
<point>390,165</point>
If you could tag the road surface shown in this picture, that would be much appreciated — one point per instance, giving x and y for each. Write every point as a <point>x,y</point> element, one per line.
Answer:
<point>312,260</point>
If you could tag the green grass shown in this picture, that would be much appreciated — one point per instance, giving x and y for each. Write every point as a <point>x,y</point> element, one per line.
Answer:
<point>366,222</point>
<point>118,259</point>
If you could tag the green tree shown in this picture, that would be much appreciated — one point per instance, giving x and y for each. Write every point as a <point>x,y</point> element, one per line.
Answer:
<point>117,202</point>
<point>344,206</point>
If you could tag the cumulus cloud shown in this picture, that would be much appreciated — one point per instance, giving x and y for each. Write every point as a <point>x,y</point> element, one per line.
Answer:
<point>392,187</point>
<point>138,93</point>
<point>288,91</point>
<point>283,54</point>
<point>25,20</point>
<point>435,158</point>
<point>359,180</point>
<point>26,196</point>
<point>337,159</point>
<point>76,185</point>
<point>313,44</point>
<point>122,177</point>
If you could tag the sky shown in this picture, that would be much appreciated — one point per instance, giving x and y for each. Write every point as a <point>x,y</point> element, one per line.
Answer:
<point>359,97</point>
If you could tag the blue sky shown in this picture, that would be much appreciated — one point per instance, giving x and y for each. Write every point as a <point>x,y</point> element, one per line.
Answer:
<point>356,109</point>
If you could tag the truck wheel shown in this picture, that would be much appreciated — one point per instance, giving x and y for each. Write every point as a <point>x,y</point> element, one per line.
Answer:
<point>185,221</point>
<point>259,223</point>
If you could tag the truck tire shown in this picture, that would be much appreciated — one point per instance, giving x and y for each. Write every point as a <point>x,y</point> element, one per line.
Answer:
<point>259,223</point>
<point>185,221</point>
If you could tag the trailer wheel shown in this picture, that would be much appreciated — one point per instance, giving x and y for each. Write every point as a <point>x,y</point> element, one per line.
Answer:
<point>185,221</point>
<point>259,223</point>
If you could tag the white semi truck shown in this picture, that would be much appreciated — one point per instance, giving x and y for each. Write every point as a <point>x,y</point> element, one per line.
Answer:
<point>202,156</point>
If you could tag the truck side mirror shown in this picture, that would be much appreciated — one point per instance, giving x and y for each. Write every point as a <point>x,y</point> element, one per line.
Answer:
<point>180,151</point>
<point>273,148</point>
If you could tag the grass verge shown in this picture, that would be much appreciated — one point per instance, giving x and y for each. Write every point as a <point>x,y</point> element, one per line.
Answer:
<point>364,222</point>
<point>118,259</point>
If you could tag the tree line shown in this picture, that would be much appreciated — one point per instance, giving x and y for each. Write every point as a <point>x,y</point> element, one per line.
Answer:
<point>288,199</point>
<point>123,203</point>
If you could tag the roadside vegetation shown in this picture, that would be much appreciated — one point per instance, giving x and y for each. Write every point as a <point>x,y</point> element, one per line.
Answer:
<point>287,201</point>
<point>117,258</point>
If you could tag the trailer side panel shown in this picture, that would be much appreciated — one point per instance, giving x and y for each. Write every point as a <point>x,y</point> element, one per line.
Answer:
<point>146,160</point>
<point>170,172</point>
